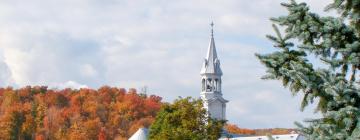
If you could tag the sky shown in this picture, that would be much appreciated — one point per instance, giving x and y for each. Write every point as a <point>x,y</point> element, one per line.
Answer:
<point>160,44</point>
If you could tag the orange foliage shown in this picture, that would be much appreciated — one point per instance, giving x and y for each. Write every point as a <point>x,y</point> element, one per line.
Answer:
<point>39,137</point>
<point>274,131</point>
<point>106,113</point>
<point>102,135</point>
<point>232,128</point>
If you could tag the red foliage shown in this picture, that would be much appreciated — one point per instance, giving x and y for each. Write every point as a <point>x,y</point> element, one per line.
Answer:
<point>105,113</point>
<point>232,128</point>
<point>102,135</point>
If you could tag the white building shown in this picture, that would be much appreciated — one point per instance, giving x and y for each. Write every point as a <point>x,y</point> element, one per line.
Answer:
<point>141,134</point>
<point>211,82</point>
<point>275,137</point>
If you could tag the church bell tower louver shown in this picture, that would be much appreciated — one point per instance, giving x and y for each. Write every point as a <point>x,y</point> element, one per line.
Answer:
<point>211,73</point>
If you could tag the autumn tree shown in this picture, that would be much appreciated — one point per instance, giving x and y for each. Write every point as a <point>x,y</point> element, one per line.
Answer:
<point>90,114</point>
<point>11,124</point>
<point>233,129</point>
<point>185,119</point>
<point>334,85</point>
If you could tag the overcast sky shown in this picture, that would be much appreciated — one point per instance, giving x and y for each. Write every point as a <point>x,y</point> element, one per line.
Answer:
<point>160,44</point>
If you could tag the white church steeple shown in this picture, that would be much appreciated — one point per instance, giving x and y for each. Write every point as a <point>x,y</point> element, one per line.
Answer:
<point>212,63</point>
<point>211,82</point>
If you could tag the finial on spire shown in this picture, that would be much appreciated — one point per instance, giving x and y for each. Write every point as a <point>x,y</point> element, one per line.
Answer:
<point>212,28</point>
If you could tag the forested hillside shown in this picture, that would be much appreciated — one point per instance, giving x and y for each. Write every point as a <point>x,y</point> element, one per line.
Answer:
<point>234,129</point>
<point>106,113</point>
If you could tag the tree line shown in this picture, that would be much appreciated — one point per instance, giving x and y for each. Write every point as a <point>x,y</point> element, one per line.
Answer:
<point>106,113</point>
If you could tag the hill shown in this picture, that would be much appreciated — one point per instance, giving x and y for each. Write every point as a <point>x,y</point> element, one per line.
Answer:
<point>234,129</point>
<point>106,113</point>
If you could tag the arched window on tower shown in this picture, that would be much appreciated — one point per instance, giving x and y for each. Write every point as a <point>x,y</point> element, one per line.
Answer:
<point>216,85</point>
<point>219,86</point>
<point>209,85</point>
<point>203,85</point>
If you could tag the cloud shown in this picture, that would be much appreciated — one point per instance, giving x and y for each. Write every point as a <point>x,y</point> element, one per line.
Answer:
<point>5,76</point>
<point>68,84</point>
<point>87,70</point>
<point>42,57</point>
<point>158,44</point>
<point>264,96</point>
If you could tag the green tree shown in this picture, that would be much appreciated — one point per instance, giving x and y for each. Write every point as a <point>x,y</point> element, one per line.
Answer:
<point>334,85</point>
<point>185,119</point>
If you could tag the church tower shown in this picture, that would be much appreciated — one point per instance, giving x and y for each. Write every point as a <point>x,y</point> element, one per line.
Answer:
<point>211,82</point>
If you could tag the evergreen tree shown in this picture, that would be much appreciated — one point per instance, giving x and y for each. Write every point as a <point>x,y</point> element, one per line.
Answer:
<point>185,119</point>
<point>335,87</point>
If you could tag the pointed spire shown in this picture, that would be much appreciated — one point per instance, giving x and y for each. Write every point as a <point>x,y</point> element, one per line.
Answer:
<point>211,54</point>
<point>212,63</point>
